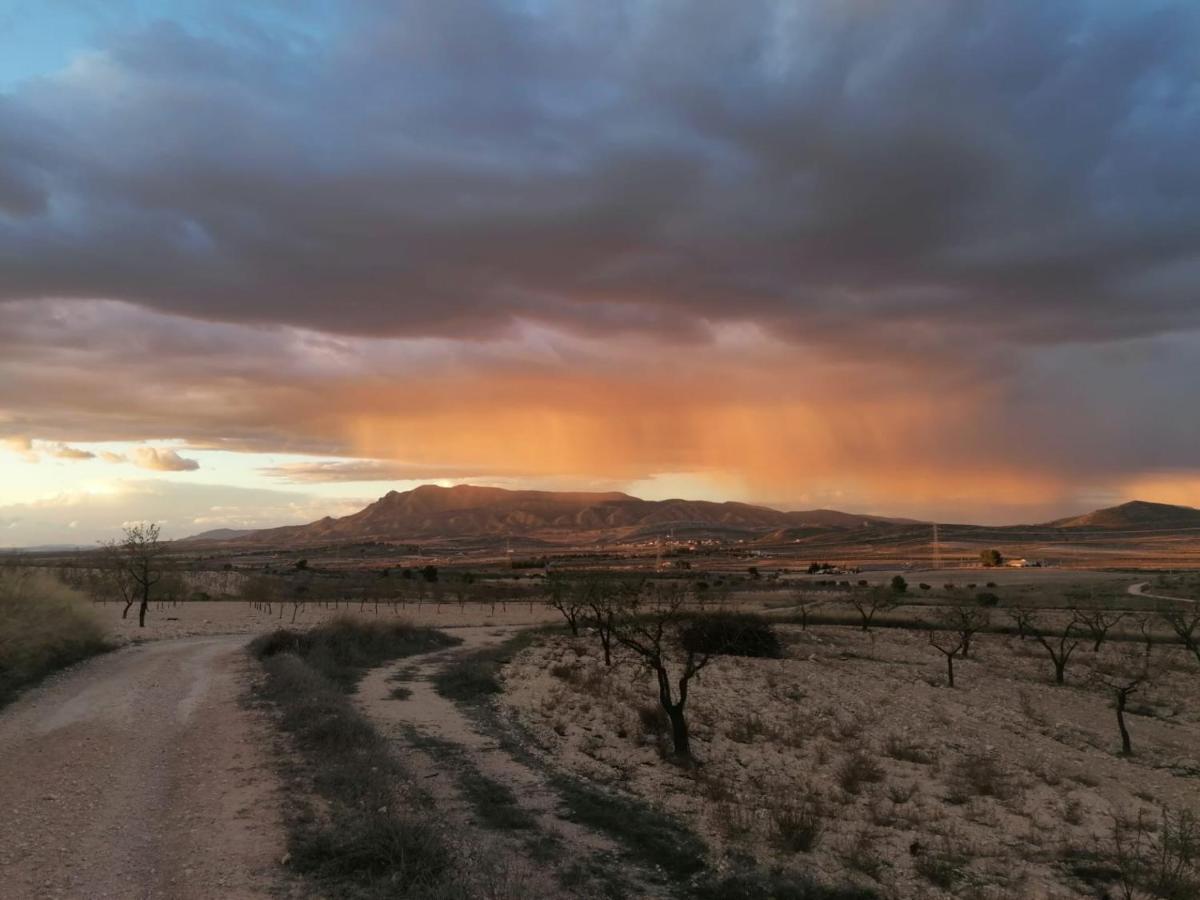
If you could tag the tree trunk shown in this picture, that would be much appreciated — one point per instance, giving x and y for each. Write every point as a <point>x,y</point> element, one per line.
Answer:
<point>950,669</point>
<point>679,731</point>
<point>1126,743</point>
<point>125,611</point>
<point>1060,671</point>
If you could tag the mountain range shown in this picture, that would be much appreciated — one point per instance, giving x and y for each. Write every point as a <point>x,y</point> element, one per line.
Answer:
<point>469,511</point>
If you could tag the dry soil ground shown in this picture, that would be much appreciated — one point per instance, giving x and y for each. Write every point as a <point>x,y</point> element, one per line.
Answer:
<point>1000,786</point>
<point>139,775</point>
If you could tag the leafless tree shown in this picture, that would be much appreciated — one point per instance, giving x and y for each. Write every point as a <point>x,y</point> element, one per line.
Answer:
<point>871,602</point>
<point>1186,625</point>
<point>651,630</point>
<point>1023,619</point>
<point>1060,644</point>
<point>1098,623</point>
<point>566,597</point>
<point>1122,676</point>
<point>606,600</point>
<point>806,602</point>
<point>966,621</point>
<point>139,556</point>
<point>949,645</point>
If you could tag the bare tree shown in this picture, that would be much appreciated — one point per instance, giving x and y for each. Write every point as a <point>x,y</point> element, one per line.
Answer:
<point>1059,644</point>
<point>966,621</point>
<point>806,602</point>
<point>1121,677</point>
<point>948,646</point>
<point>651,631</point>
<point>1023,619</point>
<point>872,601</point>
<point>566,597</point>
<point>606,599</point>
<point>139,556</point>
<point>1098,623</point>
<point>1186,625</point>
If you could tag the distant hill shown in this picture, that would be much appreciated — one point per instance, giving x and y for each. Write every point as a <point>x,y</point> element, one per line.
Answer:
<point>1136,514</point>
<point>221,534</point>
<point>465,511</point>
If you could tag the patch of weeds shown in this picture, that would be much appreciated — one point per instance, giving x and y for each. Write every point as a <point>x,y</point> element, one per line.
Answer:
<point>495,803</point>
<point>474,677</point>
<point>860,856</point>
<point>364,845</point>
<point>858,769</point>
<point>649,836</point>
<point>798,827</point>
<point>904,750</point>
<point>981,775</point>
<point>401,693</point>
<point>943,868</point>
<point>44,626</point>
<point>343,649</point>
<point>756,884</point>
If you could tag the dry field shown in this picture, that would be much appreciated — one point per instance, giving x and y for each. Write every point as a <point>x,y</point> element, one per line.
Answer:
<point>851,759</point>
<point>198,619</point>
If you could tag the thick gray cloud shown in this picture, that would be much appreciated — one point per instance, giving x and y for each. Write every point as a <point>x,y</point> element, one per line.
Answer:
<point>997,170</point>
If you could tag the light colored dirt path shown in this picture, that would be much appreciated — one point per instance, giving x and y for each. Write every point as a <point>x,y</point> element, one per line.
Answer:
<point>433,716</point>
<point>1139,590</point>
<point>139,775</point>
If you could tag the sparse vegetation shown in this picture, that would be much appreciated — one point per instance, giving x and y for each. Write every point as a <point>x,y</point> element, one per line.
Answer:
<point>364,842</point>
<point>44,626</point>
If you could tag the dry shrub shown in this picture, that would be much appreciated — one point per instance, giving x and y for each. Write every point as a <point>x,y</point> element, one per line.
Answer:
<point>44,626</point>
<point>858,769</point>
<point>979,774</point>
<point>899,747</point>
<point>798,826</point>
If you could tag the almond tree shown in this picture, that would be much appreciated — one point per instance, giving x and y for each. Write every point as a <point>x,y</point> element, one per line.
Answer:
<point>566,598</point>
<point>1121,677</point>
<point>1098,623</point>
<point>966,621</point>
<point>1059,644</point>
<point>948,646</point>
<point>870,602</point>
<point>138,558</point>
<point>652,632</point>
<point>1186,625</point>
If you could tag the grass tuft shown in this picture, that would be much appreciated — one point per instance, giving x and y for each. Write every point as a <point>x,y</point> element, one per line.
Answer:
<point>44,626</point>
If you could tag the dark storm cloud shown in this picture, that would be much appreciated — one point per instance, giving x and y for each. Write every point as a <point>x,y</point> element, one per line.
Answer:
<point>1012,170</point>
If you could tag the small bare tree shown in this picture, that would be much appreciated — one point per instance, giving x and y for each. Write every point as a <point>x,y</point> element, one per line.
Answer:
<point>1186,625</point>
<point>949,645</point>
<point>1098,623</point>
<point>138,559</point>
<point>651,630</point>
<point>966,621</point>
<point>873,601</point>
<point>1122,676</point>
<point>806,602</point>
<point>1060,644</point>
<point>566,597</point>
<point>1023,619</point>
<point>606,599</point>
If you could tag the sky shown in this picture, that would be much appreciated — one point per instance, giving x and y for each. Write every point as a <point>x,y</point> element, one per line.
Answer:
<point>263,262</point>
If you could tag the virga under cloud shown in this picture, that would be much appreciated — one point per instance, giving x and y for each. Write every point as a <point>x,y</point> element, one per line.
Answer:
<point>913,255</point>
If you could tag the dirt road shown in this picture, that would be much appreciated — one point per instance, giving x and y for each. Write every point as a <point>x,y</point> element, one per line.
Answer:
<point>140,775</point>
<point>1139,590</point>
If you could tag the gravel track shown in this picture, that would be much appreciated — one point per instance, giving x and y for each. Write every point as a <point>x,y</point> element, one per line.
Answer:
<point>140,774</point>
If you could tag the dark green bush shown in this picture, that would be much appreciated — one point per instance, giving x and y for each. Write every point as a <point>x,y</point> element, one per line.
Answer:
<point>731,634</point>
